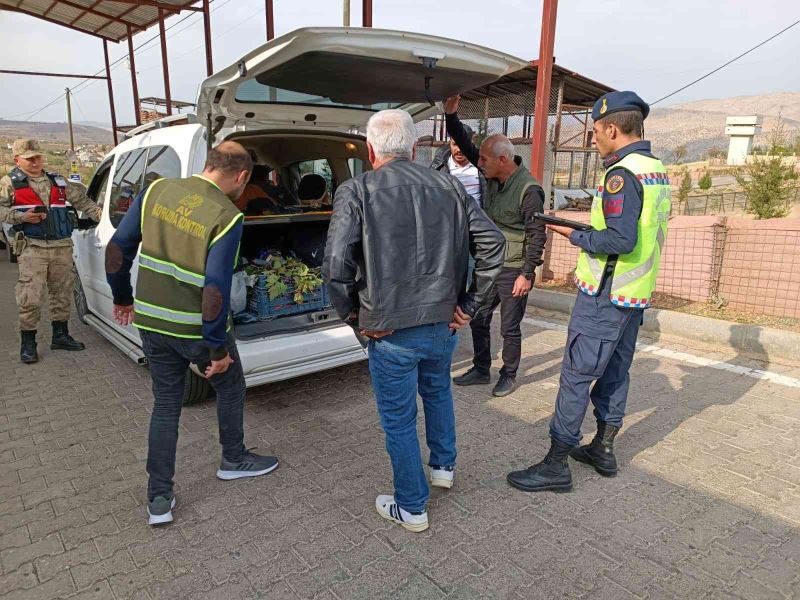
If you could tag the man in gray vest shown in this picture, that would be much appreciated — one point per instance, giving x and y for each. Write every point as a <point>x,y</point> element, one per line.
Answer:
<point>511,198</point>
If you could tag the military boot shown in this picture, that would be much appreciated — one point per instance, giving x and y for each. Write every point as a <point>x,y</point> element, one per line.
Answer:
<point>27,349</point>
<point>600,452</point>
<point>62,340</point>
<point>551,474</point>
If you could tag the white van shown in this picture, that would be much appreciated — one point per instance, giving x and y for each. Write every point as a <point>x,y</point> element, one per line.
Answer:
<point>300,104</point>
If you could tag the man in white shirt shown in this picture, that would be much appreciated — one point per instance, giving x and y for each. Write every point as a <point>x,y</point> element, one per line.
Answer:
<point>451,160</point>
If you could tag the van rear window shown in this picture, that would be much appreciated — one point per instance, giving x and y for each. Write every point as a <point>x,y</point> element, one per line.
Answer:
<point>252,91</point>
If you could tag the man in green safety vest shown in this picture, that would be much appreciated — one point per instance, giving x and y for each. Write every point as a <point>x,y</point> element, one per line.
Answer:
<point>616,275</point>
<point>189,230</point>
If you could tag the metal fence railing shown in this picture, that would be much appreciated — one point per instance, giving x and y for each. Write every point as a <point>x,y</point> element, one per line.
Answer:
<point>747,265</point>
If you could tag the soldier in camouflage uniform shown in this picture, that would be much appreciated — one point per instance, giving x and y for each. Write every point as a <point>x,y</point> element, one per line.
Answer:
<point>35,202</point>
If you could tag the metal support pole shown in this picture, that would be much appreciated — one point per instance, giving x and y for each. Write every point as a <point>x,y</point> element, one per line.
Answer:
<point>543,76</point>
<point>134,83</point>
<point>366,15</point>
<point>110,93</point>
<point>164,61</point>
<point>69,121</point>
<point>270,20</point>
<point>207,31</point>
<point>346,13</point>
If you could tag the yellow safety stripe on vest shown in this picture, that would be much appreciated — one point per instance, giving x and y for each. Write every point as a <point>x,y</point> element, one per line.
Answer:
<point>171,269</point>
<point>623,279</point>
<point>167,314</point>
<point>144,203</point>
<point>227,229</point>
<point>207,180</point>
<point>170,333</point>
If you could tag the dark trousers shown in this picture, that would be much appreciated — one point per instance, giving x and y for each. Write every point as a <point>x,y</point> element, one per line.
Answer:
<point>169,358</point>
<point>511,312</point>
<point>601,341</point>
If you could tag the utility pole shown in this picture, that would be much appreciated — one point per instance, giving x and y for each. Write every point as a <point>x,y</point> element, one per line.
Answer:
<point>346,13</point>
<point>69,122</point>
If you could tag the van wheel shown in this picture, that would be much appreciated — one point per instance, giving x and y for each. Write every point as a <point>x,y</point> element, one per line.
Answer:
<point>196,389</point>
<point>81,307</point>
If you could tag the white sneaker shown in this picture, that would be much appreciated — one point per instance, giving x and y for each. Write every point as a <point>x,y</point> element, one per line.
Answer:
<point>442,478</point>
<point>388,509</point>
<point>159,510</point>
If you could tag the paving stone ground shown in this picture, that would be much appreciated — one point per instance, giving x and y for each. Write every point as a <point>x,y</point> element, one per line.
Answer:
<point>707,504</point>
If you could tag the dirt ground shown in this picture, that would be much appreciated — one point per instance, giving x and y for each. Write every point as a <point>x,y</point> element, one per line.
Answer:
<point>703,309</point>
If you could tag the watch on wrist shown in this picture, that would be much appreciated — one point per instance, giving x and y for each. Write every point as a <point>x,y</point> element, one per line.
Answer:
<point>528,276</point>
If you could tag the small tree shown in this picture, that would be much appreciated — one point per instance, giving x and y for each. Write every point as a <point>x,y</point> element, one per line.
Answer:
<point>685,187</point>
<point>680,153</point>
<point>704,182</point>
<point>767,181</point>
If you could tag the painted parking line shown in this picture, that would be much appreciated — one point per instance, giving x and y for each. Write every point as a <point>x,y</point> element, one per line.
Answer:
<point>685,357</point>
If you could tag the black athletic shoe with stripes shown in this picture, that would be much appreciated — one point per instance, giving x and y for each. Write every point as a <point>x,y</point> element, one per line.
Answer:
<point>249,465</point>
<point>388,509</point>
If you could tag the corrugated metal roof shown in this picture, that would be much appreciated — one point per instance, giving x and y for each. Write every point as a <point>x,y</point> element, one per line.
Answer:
<point>578,90</point>
<point>108,19</point>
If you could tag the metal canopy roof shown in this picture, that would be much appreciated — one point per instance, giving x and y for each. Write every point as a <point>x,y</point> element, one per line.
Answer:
<point>163,102</point>
<point>112,20</point>
<point>579,91</point>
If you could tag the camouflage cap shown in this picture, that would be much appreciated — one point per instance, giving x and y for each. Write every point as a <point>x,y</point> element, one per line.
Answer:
<point>26,148</point>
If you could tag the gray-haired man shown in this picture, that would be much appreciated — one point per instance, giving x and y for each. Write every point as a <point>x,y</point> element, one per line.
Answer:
<point>396,269</point>
<point>511,198</point>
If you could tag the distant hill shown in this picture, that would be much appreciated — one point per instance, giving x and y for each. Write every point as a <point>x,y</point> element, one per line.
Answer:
<point>700,125</point>
<point>55,132</point>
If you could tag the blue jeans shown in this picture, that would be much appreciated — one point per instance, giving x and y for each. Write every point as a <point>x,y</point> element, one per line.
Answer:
<point>169,358</point>
<point>411,360</point>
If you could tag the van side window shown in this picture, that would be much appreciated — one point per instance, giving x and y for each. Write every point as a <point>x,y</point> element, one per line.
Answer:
<point>162,161</point>
<point>127,183</point>
<point>99,184</point>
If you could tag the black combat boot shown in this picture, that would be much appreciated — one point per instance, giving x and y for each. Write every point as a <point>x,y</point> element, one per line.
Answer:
<point>473,377</point>
<point>551,474</point>
<point>62,340</point>
<point>27,349</point>
<point>600,453</point>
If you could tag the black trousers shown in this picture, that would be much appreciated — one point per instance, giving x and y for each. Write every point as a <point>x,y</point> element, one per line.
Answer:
<point>511,312</point>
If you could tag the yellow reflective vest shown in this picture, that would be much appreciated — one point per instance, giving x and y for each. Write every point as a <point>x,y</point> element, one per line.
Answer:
<point>635,273</point>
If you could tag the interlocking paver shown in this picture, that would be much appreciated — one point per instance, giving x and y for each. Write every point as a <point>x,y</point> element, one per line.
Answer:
<point>707,503</point>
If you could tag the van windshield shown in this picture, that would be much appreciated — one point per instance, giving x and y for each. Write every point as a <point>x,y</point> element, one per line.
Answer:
<point>253,92</point>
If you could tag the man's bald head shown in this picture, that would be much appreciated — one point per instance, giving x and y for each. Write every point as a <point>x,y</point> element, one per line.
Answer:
<point>230,158</point>
<point>498,145</point>
<point>229,166</point>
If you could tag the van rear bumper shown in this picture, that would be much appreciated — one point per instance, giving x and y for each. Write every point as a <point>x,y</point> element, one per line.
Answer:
<point>287,356</point>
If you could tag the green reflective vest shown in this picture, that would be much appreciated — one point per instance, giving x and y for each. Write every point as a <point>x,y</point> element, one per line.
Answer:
<point>635,274</point>
<point>181,220</point>
<point>503,206</point>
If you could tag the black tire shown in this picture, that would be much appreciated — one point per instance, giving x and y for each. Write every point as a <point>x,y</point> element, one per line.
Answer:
<point>196,389</point>
<point>81,307</point>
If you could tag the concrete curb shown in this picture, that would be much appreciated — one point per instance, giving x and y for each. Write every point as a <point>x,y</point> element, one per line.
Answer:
<point>773,344</point>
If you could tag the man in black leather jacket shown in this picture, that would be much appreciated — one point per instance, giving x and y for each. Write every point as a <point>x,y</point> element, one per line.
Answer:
<point>396,268</point>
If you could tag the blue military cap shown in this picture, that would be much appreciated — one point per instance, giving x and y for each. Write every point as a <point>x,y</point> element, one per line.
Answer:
<point>618,101</point>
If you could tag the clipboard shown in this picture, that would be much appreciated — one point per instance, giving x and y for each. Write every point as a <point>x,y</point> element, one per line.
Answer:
<point>563,222</point>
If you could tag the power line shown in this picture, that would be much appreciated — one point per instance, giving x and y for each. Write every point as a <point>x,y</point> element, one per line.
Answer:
<point>769,39</point>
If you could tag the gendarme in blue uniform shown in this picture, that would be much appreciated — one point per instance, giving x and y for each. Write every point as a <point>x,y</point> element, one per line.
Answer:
<point>602,336</point>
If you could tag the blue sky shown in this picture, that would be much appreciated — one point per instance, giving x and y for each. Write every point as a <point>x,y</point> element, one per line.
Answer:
<point>651,47</point>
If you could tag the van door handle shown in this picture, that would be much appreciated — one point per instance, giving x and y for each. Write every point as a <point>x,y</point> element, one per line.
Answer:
<point>98,244</point>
